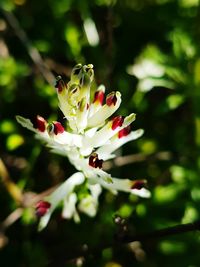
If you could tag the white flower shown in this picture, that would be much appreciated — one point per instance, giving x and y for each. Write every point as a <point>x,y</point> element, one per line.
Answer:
<point>91,137</point>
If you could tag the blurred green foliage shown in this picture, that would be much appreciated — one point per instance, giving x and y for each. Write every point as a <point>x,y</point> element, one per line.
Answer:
<point>148,50</point>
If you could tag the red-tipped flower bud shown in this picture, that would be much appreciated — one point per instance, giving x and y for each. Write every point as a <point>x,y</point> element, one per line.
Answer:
<point>94,161</point>
<point>124,132</point>
<point>58,128</point>
<point>40,123</point>
<point>111,99</point>
<point>42,207</point>
<point>60,85</point>
<point>117,122</point>
<point>99,97</point>
<point>138,184</point>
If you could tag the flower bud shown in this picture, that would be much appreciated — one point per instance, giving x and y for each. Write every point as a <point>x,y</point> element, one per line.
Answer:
<point>138,184</point>
<point>124,132</point>
<point>111,99</point>
<point>117,122</point>
<point>99,97</point>
<point>42,208</point>
<point>60,85</point>
<point>55,128</point>
<point>40,123</point>
<point>58,128</point>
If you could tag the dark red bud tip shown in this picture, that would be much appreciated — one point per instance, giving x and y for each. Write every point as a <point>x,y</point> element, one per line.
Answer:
<point>42,207</point>
<point>60,85</point>
<point>40,123</point>
<point>94,161</point>
<point>99,97</point>
<point>138,184</point>
<point>124,132</point>
<point>111,99</point>
<point>58,128</point>
<point>117,122</point>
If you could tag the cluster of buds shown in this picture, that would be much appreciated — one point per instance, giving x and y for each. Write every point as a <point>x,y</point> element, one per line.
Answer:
<point>92,137</point>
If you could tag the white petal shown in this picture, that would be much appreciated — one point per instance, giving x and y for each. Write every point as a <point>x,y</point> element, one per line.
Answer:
<point>94,107</point>
<point>89,204</point>
<point>69,208</point>
<point>125,186</point>
<point>105,152</point>
<point>143,192</point>
<point>118,185</point>
<point>69,139</point>
<point>104,113</point>
<point>59,194</point>
<point>104,134</point>
<point>25,123</point>
<point>95,190</point>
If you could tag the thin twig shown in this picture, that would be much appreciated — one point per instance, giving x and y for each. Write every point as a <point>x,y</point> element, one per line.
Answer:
<point>12,218</point>
<point>32,51</point>
<point>86,251</point>
<point>133,158</point>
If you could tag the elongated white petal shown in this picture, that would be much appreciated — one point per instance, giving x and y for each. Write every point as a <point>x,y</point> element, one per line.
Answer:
<point>125,185</point>
<point>143,192</point>
<point>104,113</point>
<point>95,190</point>
<point>62,97</point>
<point>59,194</point>
<point>26,123</point>
<point>98,101</point>
<point>69,139</point>
<point>60,150</point>
<point>105,152</point>
<point>94,176</point>
<point>89,204</point>
<point>105,133</point>
<point>69,208</point>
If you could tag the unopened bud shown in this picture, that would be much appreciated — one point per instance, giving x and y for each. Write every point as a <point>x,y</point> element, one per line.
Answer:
<point>117,122</point>
<point>124,132</point>
<point>58,128</point>
<point>42,207</point>
<point>40,123</point>
<point>60,85</point>
<point>55,128</point>
<point>138,184</point>
<point>111,99</point>
<point>99,97</point>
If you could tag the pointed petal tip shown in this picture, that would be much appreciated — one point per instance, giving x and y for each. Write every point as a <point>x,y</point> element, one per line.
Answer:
<point>141,193</point>
<point>26,123</point>
<point>59,84</point>
<point>117,122</point>
<point>113,98</point>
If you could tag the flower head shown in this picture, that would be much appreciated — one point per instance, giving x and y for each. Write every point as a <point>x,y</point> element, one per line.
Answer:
<point>93,135</point>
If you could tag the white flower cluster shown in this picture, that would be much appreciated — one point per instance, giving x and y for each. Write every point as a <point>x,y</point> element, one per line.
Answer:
<point>91,138</point>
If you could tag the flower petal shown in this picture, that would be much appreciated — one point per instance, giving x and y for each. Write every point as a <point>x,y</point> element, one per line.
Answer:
<point>105,151</point>
<point>125,185</point>
<point>69,208</point>
<point>104,134</point>
<point>59,194</point>
<point>26,123</point>
<point>89,204</point>
<point>104,112</point>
